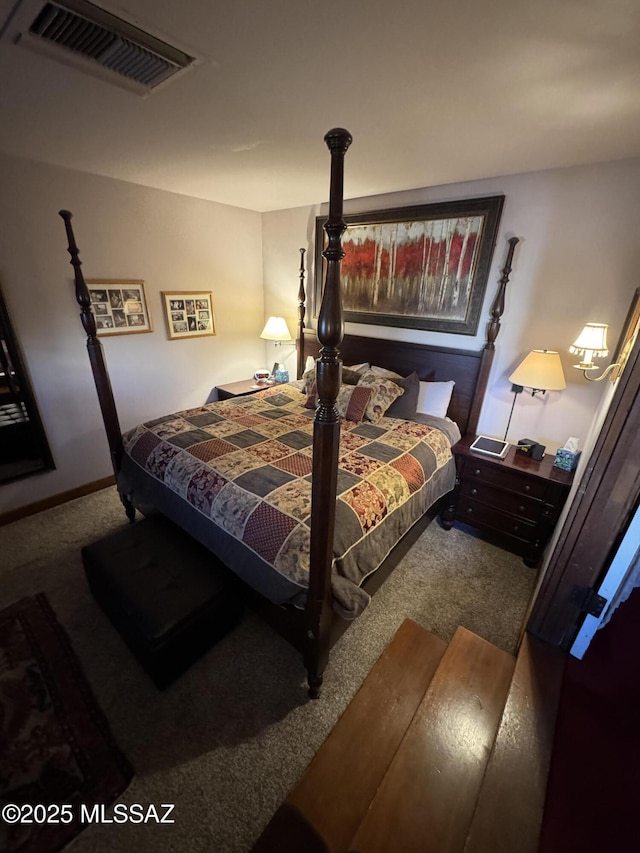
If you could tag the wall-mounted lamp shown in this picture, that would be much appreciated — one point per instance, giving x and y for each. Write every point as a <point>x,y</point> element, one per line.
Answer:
<point>540,371</point>
<point>592,343</point>
<point>276,330</point>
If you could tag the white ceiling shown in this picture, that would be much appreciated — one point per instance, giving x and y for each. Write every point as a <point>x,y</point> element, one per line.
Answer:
<point>433,91</point>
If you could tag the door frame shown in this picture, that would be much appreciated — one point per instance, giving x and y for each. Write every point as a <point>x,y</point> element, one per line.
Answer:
<point>603,507</point>
<point>624,563</point>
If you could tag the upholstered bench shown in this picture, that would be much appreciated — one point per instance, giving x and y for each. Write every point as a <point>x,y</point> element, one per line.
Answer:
<point>169,598</point>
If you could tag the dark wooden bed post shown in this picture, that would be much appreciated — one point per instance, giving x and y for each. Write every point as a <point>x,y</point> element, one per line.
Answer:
<point>326,430</point>
<point>488,351</point>
<point>98,365</point>
<point>301,313</point>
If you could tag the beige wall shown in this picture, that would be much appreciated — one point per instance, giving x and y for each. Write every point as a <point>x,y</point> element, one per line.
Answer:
<point>124,231</point>
<point>577,261</point>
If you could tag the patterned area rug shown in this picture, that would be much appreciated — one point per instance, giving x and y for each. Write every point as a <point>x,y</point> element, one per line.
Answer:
<point>56,751</point>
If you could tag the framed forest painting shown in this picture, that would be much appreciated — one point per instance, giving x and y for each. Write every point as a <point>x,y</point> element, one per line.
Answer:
<point>422,267</point>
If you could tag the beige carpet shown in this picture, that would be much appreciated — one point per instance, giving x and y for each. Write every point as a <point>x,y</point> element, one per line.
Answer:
<point>228,740</point>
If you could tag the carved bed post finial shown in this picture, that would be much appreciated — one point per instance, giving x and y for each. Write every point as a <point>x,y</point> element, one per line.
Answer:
<point>497,309</point>
<point>330,322</point>
<point>330,319</point>
<point>326,431</point>
<point>301,313</point>
<point>82,291</point>
<point>96,357</point>
<point>488,351</point>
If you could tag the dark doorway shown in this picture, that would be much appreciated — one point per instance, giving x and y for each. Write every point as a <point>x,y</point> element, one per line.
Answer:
<point>24,449</point>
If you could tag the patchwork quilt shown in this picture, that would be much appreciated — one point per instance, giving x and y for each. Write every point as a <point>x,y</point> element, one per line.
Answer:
<point>245,465</point>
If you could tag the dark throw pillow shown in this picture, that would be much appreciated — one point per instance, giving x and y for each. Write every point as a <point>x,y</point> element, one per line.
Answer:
<point>405,406</point>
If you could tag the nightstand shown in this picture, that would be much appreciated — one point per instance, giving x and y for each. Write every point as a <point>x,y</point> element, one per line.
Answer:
<point>242,388</point>
<point>516,499</point>
<point>239,389</point>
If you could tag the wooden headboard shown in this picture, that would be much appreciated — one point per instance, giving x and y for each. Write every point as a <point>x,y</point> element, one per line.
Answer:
<point>432,364</point>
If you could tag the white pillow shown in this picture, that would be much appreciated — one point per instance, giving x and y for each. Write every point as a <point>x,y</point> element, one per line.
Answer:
<point>434,398</point>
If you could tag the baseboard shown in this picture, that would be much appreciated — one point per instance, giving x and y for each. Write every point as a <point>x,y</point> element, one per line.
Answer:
<point>56,500</point>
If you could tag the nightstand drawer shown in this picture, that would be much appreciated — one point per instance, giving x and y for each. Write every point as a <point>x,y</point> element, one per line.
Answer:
<point>490,496</point>
<point>505,478</point>
<point>477,514</point>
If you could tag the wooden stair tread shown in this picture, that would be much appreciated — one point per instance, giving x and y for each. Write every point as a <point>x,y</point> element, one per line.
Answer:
<point>335,792</point>
<point>508,814</point>
<point>427,798</point>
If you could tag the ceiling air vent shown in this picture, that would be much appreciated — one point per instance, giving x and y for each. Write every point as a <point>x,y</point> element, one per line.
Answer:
<point>87,36</point>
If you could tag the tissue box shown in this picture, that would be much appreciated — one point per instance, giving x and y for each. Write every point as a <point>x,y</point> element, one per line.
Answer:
<point>566,459</point>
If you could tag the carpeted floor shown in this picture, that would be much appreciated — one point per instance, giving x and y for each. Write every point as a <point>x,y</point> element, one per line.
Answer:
<point>227,741</point>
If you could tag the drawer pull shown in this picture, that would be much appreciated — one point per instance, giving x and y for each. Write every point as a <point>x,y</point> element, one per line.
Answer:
<point>520,509</point>
<point>469,510</point>
<point>474,491</point>
<point>477,472</point>
<point>515,528</point>
<point>527,488</point>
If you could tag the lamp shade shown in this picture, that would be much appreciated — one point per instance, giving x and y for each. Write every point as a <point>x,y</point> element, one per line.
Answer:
<point>276,329</point>
<point>592,339</point>
<point>540,370</point>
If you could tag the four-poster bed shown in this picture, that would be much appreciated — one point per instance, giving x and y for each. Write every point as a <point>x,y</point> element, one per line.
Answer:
<point>199,467</point>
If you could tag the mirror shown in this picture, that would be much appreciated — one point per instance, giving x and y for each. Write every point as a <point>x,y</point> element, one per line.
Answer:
<point>24,449</point>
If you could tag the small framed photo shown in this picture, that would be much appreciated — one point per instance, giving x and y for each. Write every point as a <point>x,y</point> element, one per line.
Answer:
<point>120,306</point>
<point>189,314</point>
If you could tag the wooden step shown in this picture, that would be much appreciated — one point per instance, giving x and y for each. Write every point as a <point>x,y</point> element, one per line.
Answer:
<point>508,815</point>
<point>324,810</point>
<point>437,753</point>
<point>427,798</point>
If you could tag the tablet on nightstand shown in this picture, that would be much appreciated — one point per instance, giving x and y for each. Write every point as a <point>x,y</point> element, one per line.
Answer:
<point>490,446</point>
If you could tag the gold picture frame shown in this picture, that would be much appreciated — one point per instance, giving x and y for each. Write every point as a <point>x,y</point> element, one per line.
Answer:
<point>189,313</point>
<point>120,306</point>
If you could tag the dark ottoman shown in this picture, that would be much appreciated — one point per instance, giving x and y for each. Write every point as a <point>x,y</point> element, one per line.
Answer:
<point>168,596</point>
